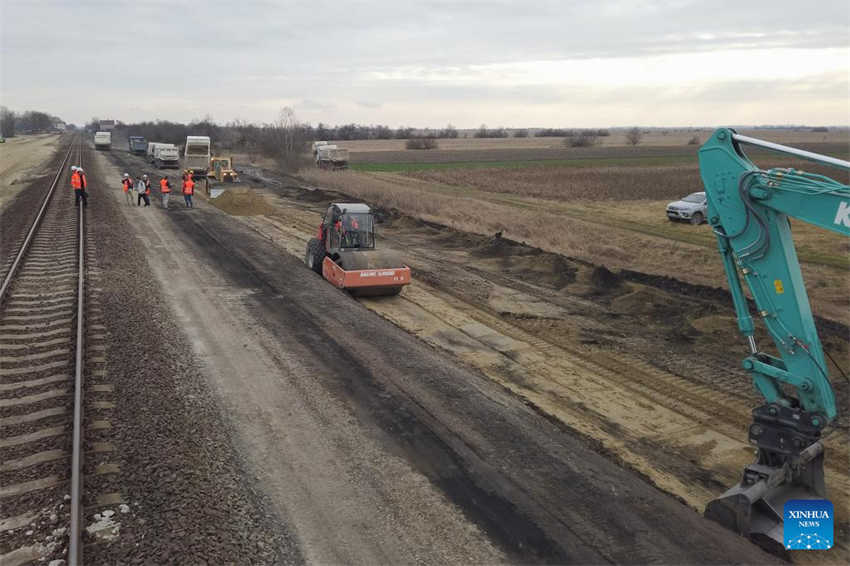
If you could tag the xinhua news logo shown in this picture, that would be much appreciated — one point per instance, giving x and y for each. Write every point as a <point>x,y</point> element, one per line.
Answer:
<point>808,524</point>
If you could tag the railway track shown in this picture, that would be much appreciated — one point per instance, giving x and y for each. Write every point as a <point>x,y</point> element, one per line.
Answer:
<point>42,359</point>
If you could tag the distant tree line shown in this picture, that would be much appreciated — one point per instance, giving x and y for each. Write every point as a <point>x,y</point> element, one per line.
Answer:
<point>353,131</point>
<point>284,140</point>
<point>569,133</point>
<point>28,122</point>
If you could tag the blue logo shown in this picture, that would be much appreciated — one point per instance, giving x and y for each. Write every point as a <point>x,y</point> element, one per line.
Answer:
<point>808,524</point>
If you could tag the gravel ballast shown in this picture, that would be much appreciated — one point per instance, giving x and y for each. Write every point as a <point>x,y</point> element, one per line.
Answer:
<point>186,495</point>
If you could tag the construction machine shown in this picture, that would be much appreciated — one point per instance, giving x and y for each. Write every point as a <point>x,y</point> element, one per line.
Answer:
<point>221,169</point>
<point>749,210</point>
<point>331,157</point>
<point>344,253</point>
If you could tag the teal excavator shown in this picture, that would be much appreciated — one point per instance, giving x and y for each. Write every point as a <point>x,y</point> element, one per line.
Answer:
<point>748,210</point>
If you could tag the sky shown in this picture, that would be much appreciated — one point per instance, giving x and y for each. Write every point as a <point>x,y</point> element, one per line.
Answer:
<point>430,63</point>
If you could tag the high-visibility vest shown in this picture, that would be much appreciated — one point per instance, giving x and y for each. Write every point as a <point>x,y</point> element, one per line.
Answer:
<point>75,180</point>
<point>164,186</point>
<point>188,187</point>
<point>147,187</point>
<point>128,184</point>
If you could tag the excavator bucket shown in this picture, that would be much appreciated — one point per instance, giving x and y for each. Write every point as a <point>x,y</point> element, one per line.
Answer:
<point>367,273</point>
<point>755,507</point>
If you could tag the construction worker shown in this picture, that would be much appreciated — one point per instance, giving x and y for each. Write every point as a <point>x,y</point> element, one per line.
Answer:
<point>147,190</point>
<point>78,183</point>
<point>83,186</point>
<point>143,188</point>
<point>127,185</point>
<point>188,190</point>
<point>165,189</point>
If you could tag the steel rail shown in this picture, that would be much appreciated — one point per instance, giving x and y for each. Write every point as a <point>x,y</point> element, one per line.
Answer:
<point>75,551</point>
<point>10,276</point>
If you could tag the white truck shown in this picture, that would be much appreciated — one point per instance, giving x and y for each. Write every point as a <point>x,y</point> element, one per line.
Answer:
<point>166,155</point>
<point>331,157</point>
<point>196,155</point>
<point>103,140</point>
<point>317,145</point>
<point>149,154</point>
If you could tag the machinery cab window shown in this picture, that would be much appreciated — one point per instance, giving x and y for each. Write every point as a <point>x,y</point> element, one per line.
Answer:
<point>357,231</point>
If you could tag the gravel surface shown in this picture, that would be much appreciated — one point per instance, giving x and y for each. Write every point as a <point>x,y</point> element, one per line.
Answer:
<point>188,499</point>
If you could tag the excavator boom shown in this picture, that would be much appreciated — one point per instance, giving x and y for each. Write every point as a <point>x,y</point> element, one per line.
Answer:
<point>748,210</point>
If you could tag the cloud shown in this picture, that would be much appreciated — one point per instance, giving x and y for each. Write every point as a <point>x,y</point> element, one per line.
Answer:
<point>440,60</point>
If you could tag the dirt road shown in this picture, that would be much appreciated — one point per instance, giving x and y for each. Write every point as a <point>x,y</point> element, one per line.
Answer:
<point>376,446</point>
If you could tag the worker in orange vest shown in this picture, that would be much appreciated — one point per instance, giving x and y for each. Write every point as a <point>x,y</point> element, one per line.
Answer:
<point>78,183</point>
<point>165,189</point>
<point>127,185</point>
<point>188,190</point>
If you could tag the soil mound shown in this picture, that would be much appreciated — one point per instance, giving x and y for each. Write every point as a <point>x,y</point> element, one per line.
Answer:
<point>242,202</point>
<point>604,279</point>
<point>497,246</point>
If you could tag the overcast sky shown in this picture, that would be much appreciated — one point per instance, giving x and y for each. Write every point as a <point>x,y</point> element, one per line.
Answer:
<point>397,62</point>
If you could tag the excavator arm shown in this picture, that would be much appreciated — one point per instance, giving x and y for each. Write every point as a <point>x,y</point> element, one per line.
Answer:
<point>748,209</point>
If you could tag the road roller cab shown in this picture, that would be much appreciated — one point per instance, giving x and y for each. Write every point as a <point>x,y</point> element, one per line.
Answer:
<point>344,253</point>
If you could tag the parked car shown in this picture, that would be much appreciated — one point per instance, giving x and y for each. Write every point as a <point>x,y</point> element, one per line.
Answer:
<point>691,209</point>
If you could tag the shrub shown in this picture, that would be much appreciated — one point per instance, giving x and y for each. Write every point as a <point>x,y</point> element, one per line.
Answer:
<point>421,143</point>
<point>634,135</point>
<point>585,138</point>
<point>522,133</point>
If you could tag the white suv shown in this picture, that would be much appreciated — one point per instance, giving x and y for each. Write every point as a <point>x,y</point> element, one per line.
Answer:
<point>691,209</point>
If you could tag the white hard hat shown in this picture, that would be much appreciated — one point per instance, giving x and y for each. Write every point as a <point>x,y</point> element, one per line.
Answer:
<point>73,167</point>
<point>126,175</point>
<point>144,176</point>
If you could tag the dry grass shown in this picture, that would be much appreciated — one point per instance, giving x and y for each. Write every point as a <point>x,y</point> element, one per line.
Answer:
<point>632,234</point>
<point>672,137</point>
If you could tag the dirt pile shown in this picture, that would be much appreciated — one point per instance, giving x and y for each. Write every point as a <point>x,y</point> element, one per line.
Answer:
<point>604,279</point>
<point>242,202</point>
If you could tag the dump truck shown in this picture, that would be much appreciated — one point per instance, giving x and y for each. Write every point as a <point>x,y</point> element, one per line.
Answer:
<point>103,140</point>
<point>196,155</point>
<point>137,144</point>
<point>317,145</point>
<point>331,157</point>
<point>166,156</point>
<point>221,169</point>
<point>344,253</point>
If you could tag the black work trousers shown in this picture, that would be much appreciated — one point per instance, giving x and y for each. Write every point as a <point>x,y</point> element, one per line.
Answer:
<point>80,194</point>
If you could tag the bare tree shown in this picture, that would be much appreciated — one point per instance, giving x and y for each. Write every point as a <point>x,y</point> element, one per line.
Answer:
<point>7,122</point>
<point>634,136</point>
<point>288,140</point>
